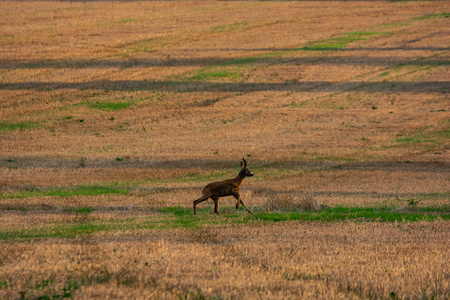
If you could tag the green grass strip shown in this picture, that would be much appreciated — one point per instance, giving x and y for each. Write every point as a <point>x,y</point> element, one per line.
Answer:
<point>356,214</point>
<point>228,27</point>
<point>179,217</point>
<point>112,106</point>
<point>337,43</point>
<point>81,190</point>
<point>442,15</point>
<point>8,126</point>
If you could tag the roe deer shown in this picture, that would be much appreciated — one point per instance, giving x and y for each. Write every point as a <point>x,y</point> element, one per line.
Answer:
<point>229,187</point>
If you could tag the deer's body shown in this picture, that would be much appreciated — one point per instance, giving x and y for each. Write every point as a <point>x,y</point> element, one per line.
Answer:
<point>229,187</point>
<point>223,188</point>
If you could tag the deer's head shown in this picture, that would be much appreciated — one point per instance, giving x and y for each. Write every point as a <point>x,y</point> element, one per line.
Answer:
<point>245,171</point>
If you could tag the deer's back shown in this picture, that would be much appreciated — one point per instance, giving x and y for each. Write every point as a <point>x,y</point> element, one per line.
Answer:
<point>221,188</point>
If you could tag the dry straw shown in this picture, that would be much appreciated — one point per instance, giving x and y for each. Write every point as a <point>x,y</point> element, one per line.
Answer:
<point>286,202</point>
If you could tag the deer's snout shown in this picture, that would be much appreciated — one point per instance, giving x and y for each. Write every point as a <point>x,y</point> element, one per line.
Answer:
<point>249,174</point>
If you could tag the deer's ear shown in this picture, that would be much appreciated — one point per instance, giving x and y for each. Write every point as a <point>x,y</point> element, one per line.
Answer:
<point>243,163</point>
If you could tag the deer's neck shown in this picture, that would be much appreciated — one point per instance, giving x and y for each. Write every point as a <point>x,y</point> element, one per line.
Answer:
<point>238,180</point>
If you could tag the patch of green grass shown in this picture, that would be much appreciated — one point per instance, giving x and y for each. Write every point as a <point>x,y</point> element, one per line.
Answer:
<point>3,284</point>
<point>299,105</point>
<point>228,27</point>
<point>407,140</point>
<point>429,140</point>
<point>426,17</point>
<point>445,134</point>
<point>410,21</point>
<point>336,45</point>
<point>9,126</point>
<point>203,75</point>
<point>55,231</point>
<point>142,46</point>
<point>111,106</point>
<point>126,21</point>
<point>415,140</point>
<point>82,190</point>
<point>427,62</point>
<point>340,42</point>
<point>243,61</point>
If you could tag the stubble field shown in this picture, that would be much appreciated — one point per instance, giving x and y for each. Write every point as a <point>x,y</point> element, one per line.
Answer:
<point>115,115</point>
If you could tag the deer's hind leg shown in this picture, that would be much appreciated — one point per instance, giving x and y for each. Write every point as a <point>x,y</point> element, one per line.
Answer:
<point>216,205</point>
<point>199,200</point>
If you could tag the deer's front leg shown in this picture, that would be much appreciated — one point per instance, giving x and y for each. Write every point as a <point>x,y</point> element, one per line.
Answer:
<point>238,198</point>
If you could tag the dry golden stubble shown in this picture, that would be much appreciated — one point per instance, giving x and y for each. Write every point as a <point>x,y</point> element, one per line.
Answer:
<point>287,259</point>
<point>106,171</point>
<point>305,200</point>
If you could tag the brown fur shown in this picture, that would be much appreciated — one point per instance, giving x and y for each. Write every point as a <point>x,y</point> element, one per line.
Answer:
<point>229,187</point>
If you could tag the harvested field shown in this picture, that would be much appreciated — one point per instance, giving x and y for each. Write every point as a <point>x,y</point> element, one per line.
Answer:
<point>115,115</point>
<point>335,260</point>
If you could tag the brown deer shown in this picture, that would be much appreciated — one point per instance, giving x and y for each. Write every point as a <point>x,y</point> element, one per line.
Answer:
<point>229,187</point>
